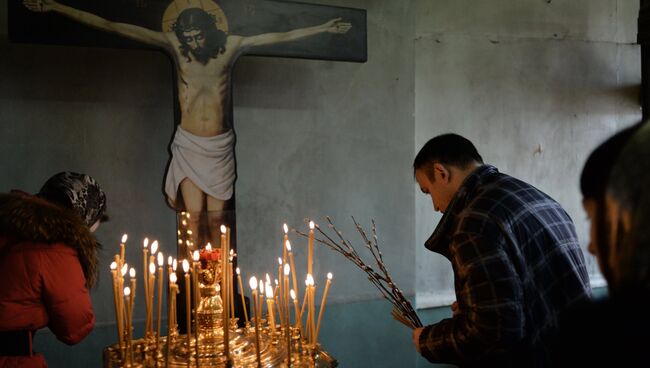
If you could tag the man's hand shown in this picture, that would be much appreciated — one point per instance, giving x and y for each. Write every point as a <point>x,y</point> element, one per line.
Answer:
<point>336,26</point>
<point>416,338</point>
<point>39,5</point>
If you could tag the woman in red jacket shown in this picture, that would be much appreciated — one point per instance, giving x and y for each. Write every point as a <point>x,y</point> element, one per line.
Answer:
<point>48,262</point>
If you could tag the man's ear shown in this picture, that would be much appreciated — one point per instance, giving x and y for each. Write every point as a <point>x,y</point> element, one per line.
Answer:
<point>441,172</point>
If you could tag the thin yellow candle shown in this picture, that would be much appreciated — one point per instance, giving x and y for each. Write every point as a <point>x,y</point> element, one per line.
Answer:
<point>161,262</point>
<point>310,249</point>
<point>123,271</point>
<point>170,262</point>
<point>293,267</point>
<point>278,302</point>
<point>188,318</point>
<point>296,311</point>
<point>287,325</point>
<point>322,305</point>
<point>195,277</point>
<point>225,252</point>
<point>118,323</point>
<point>269,302</point>
<point>284,241</point>
<point>122,246</point>
<point>253,285</point>
<point>279,292</point>
<point>241,293</point>
<point>152,280</point>
<point>170,310</point>
<point>302,309</point>
<point>312,331</point>
<point>127,303</point>
<point>231,289</point>
<point>145,280</point>
<point>261,299</point>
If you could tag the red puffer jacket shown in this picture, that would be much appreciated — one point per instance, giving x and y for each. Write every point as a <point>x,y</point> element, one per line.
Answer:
<point>47,255</point>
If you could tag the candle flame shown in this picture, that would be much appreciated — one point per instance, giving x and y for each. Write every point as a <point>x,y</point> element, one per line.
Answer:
<point>114,266</point>
<point>127,291</point>
<point>132,272</point>
<point>269,291</point>
<point>312,225</point>
<point>161,259</point>
<point>237,270</point>
<point>187,215</point>
<point>170,260</point>
<point>293,294</point>
<point>180,241</point>
<point>261,288</point>
<point>152,268</point>
<point>174,265</point>
<point>253,283</point>
<point>223,229</point>
<point>287,269</point>
<point>186,265</point>
<point>276,282</point>
<point>288,244</point>
<point>268,279</point>
<point>195,256</point>
<point>285,228</point>
<point>124,237</point>
<point>329,275</point>
<point>208,247</point>
<point>189,232</point>
<point>280,261</point>
<point>145,242</point>
<point>310,278</point>
<point>124,269</point>
<point>154,247</point>
<point>172,278</point>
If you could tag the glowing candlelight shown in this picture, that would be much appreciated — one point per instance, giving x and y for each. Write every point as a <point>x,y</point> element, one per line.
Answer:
<point>231,290</point>
<point>261,298</point>
<point>310,248</point>
<point>145,250</point>
<point>195,293</point>
<point>287,315</point>
<point>208,247</point>
<point>117,302</point>
<point>188,307</point>
<point>293,267</point>
<point>311,314</point>
<point>225,296</point>
<point>253,285</point>
<point>170,310</point>
<point>122,245</point>
<point>269,302</point>
<point>281,286</point>
<point>322,305</point>
<point>129,337</point>
<point>284,241</point>
<point>241,293</point>
<point>161,262</point>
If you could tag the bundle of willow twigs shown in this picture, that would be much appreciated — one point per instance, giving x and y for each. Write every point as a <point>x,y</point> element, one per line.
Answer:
<point>402,310</point>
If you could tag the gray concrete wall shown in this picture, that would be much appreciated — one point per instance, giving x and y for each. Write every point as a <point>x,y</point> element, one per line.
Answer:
<point>514,75</point>
<point>314,138</point>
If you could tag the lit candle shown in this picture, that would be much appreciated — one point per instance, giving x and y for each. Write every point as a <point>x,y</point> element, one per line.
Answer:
<point>261,298</point>
<point>116,302</point>
<point>145,279</point>
<point>269,302</point>
<point>132,277</point>
<point>241,293</point>
<point>224,286</point>
<point>161,262</point>
<point>284,241</point>
<point>296,311</point>
<point>123,271</point>
<point>287,319</point>
<point>302,309</point>
<point>188,292</point>
<point>128,305</point>
<point>170,262</point>
<point>253,285</point>
<point>122,245</point>
<point>279,292</point>
<point>310,249</point>
<point>195,293</point>
<point>293,267</point>
<point>152,290</point>
<point>322,305</point>
<point>278,301</point>
<point>171,297</point>
<point>311,313</point>
<point>231,289</point>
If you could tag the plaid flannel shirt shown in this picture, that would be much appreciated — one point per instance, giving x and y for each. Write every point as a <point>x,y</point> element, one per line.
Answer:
<point>517,264</point>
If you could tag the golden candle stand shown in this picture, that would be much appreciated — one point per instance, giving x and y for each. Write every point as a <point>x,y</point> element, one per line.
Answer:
<point>208,320</point>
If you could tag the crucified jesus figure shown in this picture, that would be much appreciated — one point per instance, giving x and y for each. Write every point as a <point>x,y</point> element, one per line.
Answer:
<point>202,168</point>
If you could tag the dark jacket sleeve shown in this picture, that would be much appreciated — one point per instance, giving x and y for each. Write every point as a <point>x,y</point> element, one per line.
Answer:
<point>66,297</point>
<point>490,299</point>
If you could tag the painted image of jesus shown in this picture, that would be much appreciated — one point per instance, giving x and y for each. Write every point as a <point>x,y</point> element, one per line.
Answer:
<point>202,167</point>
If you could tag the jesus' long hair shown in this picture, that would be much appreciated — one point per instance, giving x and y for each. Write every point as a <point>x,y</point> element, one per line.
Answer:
<point>198,19</point>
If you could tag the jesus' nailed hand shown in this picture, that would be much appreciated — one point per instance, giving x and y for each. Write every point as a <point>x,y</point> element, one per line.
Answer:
<point>203,56</point>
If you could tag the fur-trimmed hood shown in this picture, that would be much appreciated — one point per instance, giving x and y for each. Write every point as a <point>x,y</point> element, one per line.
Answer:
<point>24,217</point>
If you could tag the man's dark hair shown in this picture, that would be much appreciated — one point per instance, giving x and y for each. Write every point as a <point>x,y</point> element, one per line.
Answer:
<point>447,149</point>
<point>593,185</point>
<point>192,19</point>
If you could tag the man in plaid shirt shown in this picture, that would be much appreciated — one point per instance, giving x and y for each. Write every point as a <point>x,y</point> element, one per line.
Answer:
<point>515,255</point>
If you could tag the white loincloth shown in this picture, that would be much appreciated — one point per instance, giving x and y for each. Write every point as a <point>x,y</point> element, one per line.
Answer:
<point>209,162</point>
